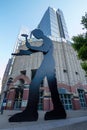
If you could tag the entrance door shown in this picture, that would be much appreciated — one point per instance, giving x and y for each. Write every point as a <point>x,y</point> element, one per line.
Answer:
<point>18,98</point>
<point>19,94</point>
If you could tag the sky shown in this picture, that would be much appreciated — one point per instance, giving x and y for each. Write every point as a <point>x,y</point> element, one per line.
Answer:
<point>15,14</point>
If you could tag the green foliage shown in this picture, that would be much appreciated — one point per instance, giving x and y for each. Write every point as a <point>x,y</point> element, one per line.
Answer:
<point>82,53</point>
<point>80,44</point>
<point>84,21</point>
<point>84,66</point>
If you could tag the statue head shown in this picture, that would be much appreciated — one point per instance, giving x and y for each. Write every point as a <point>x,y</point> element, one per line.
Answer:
<point>37,33</point>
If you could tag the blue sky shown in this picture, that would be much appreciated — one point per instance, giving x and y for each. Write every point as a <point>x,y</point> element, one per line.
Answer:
<point>17,13</point>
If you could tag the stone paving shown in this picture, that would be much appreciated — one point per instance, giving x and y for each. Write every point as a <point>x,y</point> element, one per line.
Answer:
<point>76,120</point>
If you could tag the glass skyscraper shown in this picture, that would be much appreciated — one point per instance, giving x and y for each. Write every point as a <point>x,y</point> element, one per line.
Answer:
<point>53,24</point>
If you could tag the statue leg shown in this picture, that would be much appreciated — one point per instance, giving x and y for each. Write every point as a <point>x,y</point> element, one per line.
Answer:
<point>33,98</point>
<point>58,112</point>
<point>30,113</point>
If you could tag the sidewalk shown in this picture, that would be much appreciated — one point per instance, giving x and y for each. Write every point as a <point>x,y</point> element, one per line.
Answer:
<point>76,120</point>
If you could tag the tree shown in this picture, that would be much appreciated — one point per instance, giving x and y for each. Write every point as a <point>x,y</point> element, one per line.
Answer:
<point>80,43</point>
<point>84,20</point>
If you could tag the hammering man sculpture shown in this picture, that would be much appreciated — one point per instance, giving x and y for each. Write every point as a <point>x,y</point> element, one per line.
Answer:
<point>47,68</point>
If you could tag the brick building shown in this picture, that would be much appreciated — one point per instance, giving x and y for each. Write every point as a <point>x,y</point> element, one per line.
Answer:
<point>71,79</point>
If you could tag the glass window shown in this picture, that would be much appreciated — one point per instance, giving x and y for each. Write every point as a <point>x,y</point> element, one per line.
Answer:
<point>40,104</point>
<point>66,100</point>
<point>82,98</point>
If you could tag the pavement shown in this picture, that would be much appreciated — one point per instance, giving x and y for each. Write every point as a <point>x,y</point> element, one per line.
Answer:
<point>76,120</point>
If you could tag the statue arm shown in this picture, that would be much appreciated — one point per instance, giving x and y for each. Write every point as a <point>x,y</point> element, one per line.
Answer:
<point>43,48</point>
<point>23,52</point>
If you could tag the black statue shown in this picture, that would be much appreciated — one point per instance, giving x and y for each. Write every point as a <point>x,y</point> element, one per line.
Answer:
<point>47,69</point>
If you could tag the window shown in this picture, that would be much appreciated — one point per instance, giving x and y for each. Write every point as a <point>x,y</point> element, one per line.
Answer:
<point>40,104</point>
<point>23,72</point>
<point>65,71</point>
<point>82,98</point>
<point>66,101</point>
<point>76,73</point>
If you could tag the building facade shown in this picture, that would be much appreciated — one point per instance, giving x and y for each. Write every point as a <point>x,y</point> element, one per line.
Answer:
<point>71,80</point>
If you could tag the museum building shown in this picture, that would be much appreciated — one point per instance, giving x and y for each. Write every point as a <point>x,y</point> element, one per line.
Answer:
<point>71,78</point>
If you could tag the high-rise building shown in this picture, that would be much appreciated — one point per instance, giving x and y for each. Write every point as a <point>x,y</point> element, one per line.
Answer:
<point>53,24</point>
